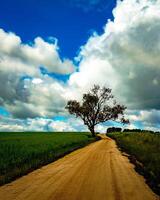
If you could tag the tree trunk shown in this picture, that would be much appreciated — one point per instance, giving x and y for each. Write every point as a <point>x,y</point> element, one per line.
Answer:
<point>92,131</point>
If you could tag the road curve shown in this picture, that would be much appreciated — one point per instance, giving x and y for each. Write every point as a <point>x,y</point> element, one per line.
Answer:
<point>95,172</point>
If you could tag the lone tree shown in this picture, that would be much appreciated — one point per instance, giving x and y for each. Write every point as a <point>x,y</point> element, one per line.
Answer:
<point>97,106</point>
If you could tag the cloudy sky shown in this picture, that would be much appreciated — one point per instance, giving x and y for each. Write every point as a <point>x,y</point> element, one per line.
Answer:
<point>53,51</point>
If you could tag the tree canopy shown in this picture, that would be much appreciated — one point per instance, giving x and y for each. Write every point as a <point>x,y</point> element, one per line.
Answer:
<point>97,106</point>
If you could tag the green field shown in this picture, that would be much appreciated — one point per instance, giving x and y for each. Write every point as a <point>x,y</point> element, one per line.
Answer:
<point>145,147</point>
<point>21,153</point>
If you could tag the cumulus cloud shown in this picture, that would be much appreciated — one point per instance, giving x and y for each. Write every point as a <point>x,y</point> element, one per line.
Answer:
<point>27,58</point>
<point>19,125</point>
<point>61,126</point>
<point>40,124</point>
<point>21,81</point>
<point>43,97</point>
<point>126,56</point>
<point>149,119</point>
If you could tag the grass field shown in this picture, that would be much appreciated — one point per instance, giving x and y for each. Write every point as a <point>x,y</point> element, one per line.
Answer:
<point>145,147</point>
<point>21,153</point>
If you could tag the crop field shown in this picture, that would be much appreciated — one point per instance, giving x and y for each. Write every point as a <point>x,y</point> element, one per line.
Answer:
<point>145,147</point>
<point>21,153</point>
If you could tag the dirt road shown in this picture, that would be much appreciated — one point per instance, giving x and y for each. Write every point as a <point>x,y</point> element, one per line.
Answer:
<point>95,172</point>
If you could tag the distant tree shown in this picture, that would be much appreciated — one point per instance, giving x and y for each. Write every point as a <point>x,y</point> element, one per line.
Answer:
<point>97,106</point>
<point>113,129</point>
<point>132,130</point>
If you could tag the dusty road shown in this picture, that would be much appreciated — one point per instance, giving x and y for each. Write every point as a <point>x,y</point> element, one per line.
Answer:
<point>96,172</point>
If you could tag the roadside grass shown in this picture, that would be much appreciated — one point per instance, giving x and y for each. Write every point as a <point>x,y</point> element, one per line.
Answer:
<point>144,147</point>
<point>21,153</point>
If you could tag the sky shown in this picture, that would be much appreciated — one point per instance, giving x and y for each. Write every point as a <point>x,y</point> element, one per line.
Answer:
<point>54,51</point>
<point>71,22</point>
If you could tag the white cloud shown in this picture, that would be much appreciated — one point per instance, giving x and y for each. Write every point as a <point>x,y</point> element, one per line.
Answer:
<point>131,126</point>
<point>61,126</point>
<point>21,95</point>
<point>126,56</point>
<point>26,58</point>
<point>18,125</point>
<point>69,124</point>
<point>40,124</point>
<point>46,54</point>
<point>43,97</point>
<point>148,117</point>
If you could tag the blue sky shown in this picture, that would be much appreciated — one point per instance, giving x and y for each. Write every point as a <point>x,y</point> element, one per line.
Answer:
<point>68,21</point>
<point>54,51</point>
